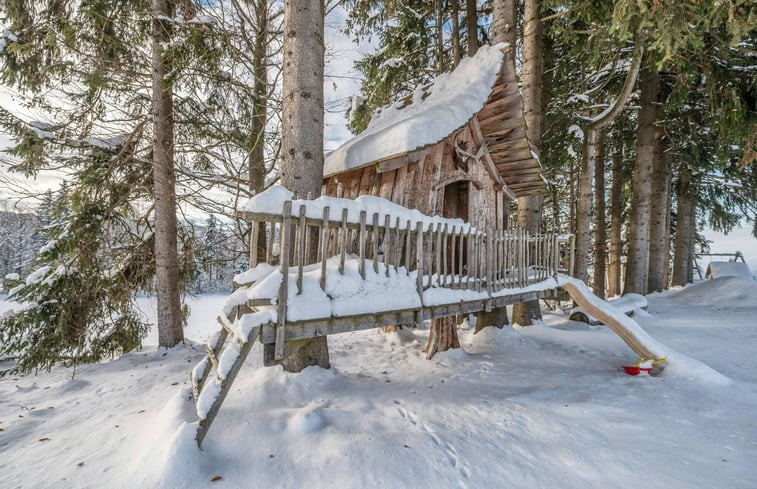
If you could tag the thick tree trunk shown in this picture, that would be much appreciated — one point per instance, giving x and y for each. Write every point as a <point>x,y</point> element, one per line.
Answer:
<point>442,337</point>
<point>455,11</point>
<point>166,254</point>
<point>600,226</point>
<point>497,318</point>
<point>529,208</point>
<point>302,127</point>
<point>683,238</point>
<point>616,223</point>
<point>505,22</point>
<point>471,22</point>
<point>661,172</point>
<point>638,235</point>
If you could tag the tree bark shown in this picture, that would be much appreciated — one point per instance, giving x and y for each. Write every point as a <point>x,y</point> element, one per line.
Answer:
<point>661,172</point>
<point>616,223</point>
<point>169,316</point>
<point>455,32</point>
<point>600,226</point>
<point>302,128</point>
<point>439,36</point>
<point>638,235</point>
<point>529,208</point>
<point>505,22</point>
<point>584,204</point>
<point>257,171</point>
<point>471,21</point>
<point>683,242</point>
<point>668,212</point>
<point>442,337</point>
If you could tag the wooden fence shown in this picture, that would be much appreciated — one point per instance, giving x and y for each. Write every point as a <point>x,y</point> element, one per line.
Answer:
<point>446,253</point>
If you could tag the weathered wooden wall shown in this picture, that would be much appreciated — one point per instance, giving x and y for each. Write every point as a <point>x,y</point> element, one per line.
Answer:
<point>420,183</point>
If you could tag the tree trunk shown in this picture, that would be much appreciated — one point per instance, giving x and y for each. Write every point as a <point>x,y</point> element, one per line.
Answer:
<point>166,253</point>
<point>583,210</point>
<point>529,208</point>
<point>692,234</point>
<point>497,318</point>
<point>658,214</point>
<point>638,235</point>
<point>455,33</point>
<point>442,337</point>
<point>471,21</point>
<point>616,222</point>
<point>668,212</point>
<point>257,171</point>
<point>572,197</point>
<point>302,128</point>
<point>505,22</point>
<point>600,226</point>
<point>683,239</point>
<point>439,36</point>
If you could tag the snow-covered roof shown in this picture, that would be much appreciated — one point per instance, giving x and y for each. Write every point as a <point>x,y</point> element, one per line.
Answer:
<point>436,111</point>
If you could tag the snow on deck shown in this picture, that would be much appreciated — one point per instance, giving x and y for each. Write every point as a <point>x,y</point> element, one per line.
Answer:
<point>434,114</point>
<point>272,200</point>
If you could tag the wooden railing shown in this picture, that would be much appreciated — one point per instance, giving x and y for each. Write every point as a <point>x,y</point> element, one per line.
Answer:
<point>447,253</point>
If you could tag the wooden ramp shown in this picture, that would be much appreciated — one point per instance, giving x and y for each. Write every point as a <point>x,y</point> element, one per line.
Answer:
<point>629,330</point>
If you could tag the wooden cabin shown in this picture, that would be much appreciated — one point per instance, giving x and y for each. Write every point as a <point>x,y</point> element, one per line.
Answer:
<point>455,148</point>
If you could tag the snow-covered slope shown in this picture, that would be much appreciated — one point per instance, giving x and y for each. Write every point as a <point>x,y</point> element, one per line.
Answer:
<point>544,406</point>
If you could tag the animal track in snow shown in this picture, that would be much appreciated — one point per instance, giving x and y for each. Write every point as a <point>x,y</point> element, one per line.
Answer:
<point>449,449</point>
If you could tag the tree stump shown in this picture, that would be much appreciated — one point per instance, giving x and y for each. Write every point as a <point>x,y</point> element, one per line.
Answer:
<point>497,317</point>
<point>443,336</point>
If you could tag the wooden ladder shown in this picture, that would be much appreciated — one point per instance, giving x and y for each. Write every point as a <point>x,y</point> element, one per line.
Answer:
<point>215,348</point>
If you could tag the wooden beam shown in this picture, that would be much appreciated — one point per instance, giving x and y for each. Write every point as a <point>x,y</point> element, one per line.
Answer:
<point>398,161</point>
<point>297,330</point>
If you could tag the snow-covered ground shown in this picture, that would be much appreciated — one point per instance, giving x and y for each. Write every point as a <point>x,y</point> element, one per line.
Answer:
<point>544,406</point>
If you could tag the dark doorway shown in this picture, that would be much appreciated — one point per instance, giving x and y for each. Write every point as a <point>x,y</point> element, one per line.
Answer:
<point>456,206</point>
<point>456,200</point>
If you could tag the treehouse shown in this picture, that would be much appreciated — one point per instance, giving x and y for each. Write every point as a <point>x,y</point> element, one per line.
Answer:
<point>456,148</point>
<point>411,228</point>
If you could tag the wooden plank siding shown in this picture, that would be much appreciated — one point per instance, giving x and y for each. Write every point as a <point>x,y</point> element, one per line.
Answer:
<point>421,184</point>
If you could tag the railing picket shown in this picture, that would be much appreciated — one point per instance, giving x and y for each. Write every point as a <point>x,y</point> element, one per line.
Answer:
<point>362,245</point>
<point>269,247</point>
<point>254,244</point>
<point>343,251</point>
<point>479,261</point>
<point>324,246</point>
<point>408,242</point>
<point>444,255</point>
<point>419,257</point>
<point>285,245</point>
<point>397,247</point>
<point>438,254</point>
<point>374,240</point>
<point>453,251</point>
<point>469,260</point>
<point>301,234</point>
<point>387,242</point>
<point>490,243</point>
